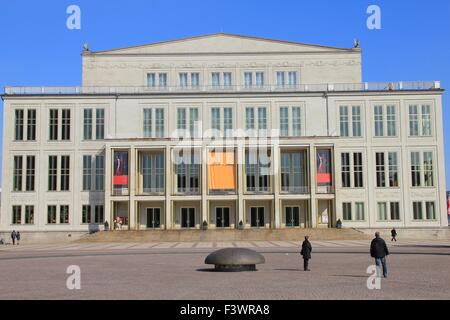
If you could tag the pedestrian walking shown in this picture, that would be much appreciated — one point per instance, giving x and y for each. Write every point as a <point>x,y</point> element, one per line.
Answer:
<point>379,251</point>
<point>18,237</point>
<point>394,235</point>
<point>13,237</point>
<point>306,253</point>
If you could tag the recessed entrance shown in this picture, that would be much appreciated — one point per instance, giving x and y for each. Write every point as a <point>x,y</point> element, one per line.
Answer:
<point>153,218</point>
<point>188,217</point>
<point>223,217</point>
<point>292,216</point>
<point>257,217</point>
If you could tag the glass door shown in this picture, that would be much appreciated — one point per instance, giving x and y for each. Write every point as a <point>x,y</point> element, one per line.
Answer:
<point>222,217</point>
<point>188,217</point>
<point>292,217</point>
<point>153,218</point>
<point>257,217</point>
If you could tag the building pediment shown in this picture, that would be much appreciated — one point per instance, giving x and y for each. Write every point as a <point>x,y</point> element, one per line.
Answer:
<point>220,44</point>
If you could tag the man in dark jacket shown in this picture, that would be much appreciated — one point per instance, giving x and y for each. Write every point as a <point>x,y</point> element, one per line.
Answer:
<point>394,235</point>
<point>379,251</point>
<point>13,237</point>
<point>306,253</point>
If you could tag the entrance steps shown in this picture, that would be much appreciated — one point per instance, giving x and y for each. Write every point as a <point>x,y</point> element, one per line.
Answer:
<point>224,235</point>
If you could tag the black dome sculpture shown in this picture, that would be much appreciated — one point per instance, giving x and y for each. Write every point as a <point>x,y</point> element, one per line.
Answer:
<point>235,259</point>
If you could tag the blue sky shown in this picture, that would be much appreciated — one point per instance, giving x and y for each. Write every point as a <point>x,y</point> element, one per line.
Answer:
<point>413,44</point>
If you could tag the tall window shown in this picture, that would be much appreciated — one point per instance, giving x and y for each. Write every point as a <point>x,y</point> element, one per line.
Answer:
<point>193,122</point>
<point>29,214</point>
<point>65,173</point>
<point>228,121</point>
<point>356,121</point>
<point>148,123</point>
<point>195,79</point>
<point>350,121</point>
<point>162,80</point>
<point>64,214</point>
<point>343,111</point>
<point>262,118</point>
<point>380,170</point>
<point>395,211</point>
<point>345,169</point>
<point>30,173</point>
<point>248,79</point>
<point>430,210</point>
<point>388,211</point>
<point>18,167</point>
<point>86,214</point>
<point>99,124</point>
<point>259,79</point>
<point>290,121</point>
<point>215,119</point>
<point>257,168</point>
<point>51,214</point>
<point>31,125</point>
<point>87,124</point>
<point>183,121</point>
<point>249,118</point>
<point>18,128</point>
<point>385,120</point>
<point>99,214</point>
<point>151,80</point>
<point>422,171</point>
<point>227,79</point>
<point>183,79</point>
<point>379,120</point>
<point>152,173</point>
<point>420,120</point>
<point>284,121</point>
<point>65,125</point>
<point>382,211</point>
<point>417,211</point>
<point>393,169</point>
<point>159,123</point>
<point>391,121</point>
<point>99,172</point>
<point>387,163</point>
<point>153,126</point>
<point>53,125</point>
<point>87,173</point>
<point>253,117</point>
<point>359,211</point>
<point>347,211</point>
<point>347,162</point>
<point>358,170</point>
<point>188,172</point>
<point>17,215</point>
<point>293,172</point>
<point>52,173</point>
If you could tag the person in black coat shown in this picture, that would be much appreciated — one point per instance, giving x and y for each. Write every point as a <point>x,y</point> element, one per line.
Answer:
<point>306,253</point>
<point>13,237</point>
<point>379,251</point>
<point>18,237</point>
<point>394,235</point>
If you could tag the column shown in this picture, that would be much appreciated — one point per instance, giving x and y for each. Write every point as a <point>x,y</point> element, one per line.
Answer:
<point>108,173</point>
<point>168,188</point>
<point>313,184</point>
<point>204,186</point>
<point>276,187</point>
<point>132,189</point>
<point>240,166</point>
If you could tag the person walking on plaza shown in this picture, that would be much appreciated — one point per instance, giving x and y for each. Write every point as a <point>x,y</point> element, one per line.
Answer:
<point>379,251</point>
<point>306,253</point>
<point>18,237</point>
<point>13,237</point>
<point>394,235</point>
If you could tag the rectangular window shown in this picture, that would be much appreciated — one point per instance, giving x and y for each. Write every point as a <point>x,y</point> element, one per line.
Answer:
<point>248,79</point>
<point>52,173</point>
<point>284,121</point>
<point>215,76</point>
<point>147,123</point>
<point>29,214</point>
<point>188,173</point>
<point>416,169</point>
<point>195,79</point>
<point>153,173</point>
<point>417,211</point>
<point>86,218</point>
<point>99,124</point>
<point>64,214</point>
<point>360,214</point>
<point>257,168</point>
<point>413,120</point>
<point>181,119</point>
<point>260,79</point>
<point>17,179</point>
<point>428,169</point>
<point>262,118</point>
<point>53,127</point>
<point>430,210</point>
<point>292,76</point>
<point>358,170</point>
<point>87,173</point>
<point>393,169</point>
<point>18,129</point>
<point>17,215</point>
<point>293,172</point>
<point>151,80</point>
<point>65,173</point>
<point>215,120</point>
<point>395,211</point>
<point>30,173</point>
<point>183,79</point>
<point>51,214</point>
<point>379,121</point>
<point>380,170</point>
<point>391,121</point>
<point>31,125</point>
<point>356,121</point>
<point>296,122</point>
<point>193,122</point>
<point>228,121</point>
<point>347,211</point>
<point>163,80</point>
<point>65,125</point>
<point>382,211</point>
<point>345,168</point>
<point>159,123</point>
<point>100,172</point>
<point>87,125</point>
<point>343,112</point>
<point>249,118</point>
<point>99,214</point>
<point>227,79</point>
<point>426,120</point>
<point>281,79</point>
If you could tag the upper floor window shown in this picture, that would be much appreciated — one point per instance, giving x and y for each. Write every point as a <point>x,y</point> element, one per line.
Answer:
<point>388,211</point>
<point>187,122</point>
<point>65,125</point>
<point>352,166</point>
<point>55,131</point>
<point>18,173</point>
<point>88,121</point>
<point>254,79</point>
<point>258,170</point>
<point>53,127</point>
<point>152,172</point>
<point>153,122</point>
<point>387,169</point>
<point>157,80</point>
<point>31,125</point>
<point>418,210</point>
<point>294,172</point>
<point>419,120</point>
<point>189,79</point>
<point>422,169</point>
<point>256,118</point>
<point>290,121</point>
<point>219,79</point>
<point>348,214</point>
<point>222,121</point>
<point>53,173</point>
<point>350,121</point>
<point>385,120</point>
<point>18,128</point>
<point>187,168</point>
<point>287,78</point>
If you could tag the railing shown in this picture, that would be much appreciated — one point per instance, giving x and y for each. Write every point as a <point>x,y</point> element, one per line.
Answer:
<point>188,191</point>
<point>347,87</point>
<point>295,190</point>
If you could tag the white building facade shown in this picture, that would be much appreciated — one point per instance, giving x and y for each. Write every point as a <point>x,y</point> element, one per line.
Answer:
<point>223,131</point>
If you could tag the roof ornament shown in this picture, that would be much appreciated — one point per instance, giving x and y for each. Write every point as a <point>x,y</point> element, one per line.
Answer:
<point>356,43</point>
<point>86,47</point>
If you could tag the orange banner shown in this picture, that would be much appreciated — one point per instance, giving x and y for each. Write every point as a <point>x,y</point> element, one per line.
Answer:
<point>221,171</point>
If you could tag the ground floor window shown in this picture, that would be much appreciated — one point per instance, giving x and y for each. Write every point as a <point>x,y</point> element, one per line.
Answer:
<point>17,215</point>
<point>86,214</point>
<point>222,217</point>
<point>64,214</point>
<point>188,217</point>
<point>418,210</point>
<point>153,218</point>
<point>51,214</point>
<point>99,214</point>
<point>292,216</point>
<point>389,211</point>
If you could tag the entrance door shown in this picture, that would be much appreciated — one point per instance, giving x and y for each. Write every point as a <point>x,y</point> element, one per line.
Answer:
<point>324,213</point>
<point>222,217</point>
<point>257,217</point>
<point>153,218</point>
<point>292,216</point>
<point>188,217</point>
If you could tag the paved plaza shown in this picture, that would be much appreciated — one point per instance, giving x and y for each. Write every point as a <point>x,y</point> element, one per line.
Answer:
<point>417,270</point>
